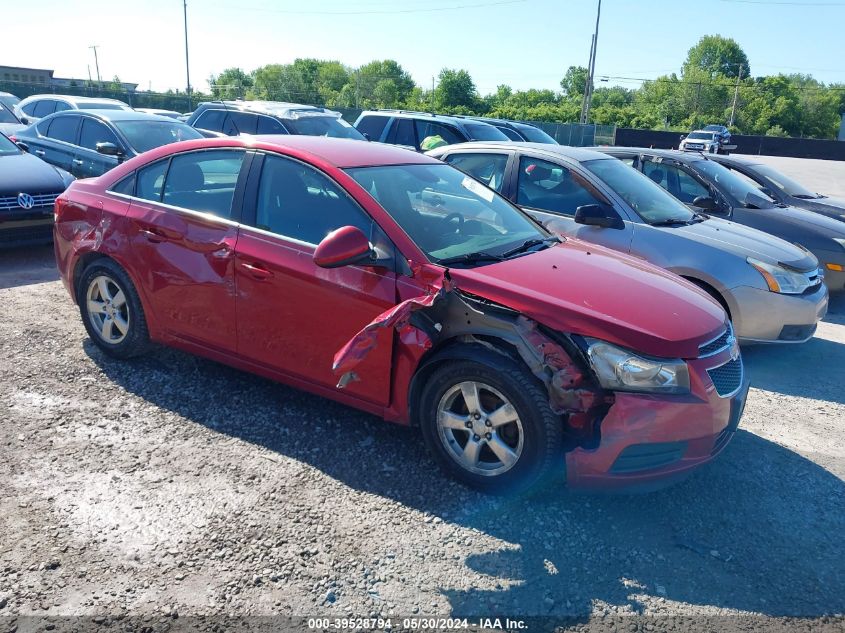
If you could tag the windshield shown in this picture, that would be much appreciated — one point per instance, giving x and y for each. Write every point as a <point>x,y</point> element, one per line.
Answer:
<point>701,136</point>
<point>653,203</point>
<point>445,212</point>
<point>143,136</point>
<point>484,132</point>
<point>323,126</point>
<point>7,147</point>
<point>6,115</point>
<point>9,100</point>
<point>785,184</point>
<point>535,135</point>
<point>737,187</point>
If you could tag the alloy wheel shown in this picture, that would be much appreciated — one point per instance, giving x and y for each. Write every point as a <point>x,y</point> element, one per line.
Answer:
<point>107,309</point>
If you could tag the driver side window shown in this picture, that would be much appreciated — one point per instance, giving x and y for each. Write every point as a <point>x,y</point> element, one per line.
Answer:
<point>486,168</point>
<point>551,187</point>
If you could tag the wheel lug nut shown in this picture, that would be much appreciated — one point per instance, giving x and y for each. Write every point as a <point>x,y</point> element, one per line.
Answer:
<point>476,437</point>
<point>488,423</point>
<point>488,436</point>
<point>468,424</point>
<point>477,416</point>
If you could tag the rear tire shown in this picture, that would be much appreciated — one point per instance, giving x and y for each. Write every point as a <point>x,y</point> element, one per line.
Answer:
<point>111,310</point>
<point>491,427</point>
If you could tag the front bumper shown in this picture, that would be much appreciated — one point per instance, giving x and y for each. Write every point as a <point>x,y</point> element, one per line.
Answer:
<point>760,316</point>
<point>26,232</point>
<point>648,441</point>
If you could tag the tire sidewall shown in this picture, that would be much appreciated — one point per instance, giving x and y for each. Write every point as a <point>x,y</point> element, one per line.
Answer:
<point>137,338</point>
<point>534,455</point>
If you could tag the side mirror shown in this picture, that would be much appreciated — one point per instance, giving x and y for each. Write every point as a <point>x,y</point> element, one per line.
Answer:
<point>683,136</point>
<point>342,247</point>
<point>23,119</point>
<point>109,149</point>
<point>599,215</point>
<point>706,203</point>
<point>23,146</point>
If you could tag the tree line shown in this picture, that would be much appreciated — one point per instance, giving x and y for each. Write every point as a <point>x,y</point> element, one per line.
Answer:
<point>715,72</point>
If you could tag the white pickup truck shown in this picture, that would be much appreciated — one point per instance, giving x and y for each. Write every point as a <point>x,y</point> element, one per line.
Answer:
<point>704,141</point>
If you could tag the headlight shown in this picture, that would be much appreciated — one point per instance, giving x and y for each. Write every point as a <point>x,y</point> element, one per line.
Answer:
<point>840,240</point>
<point>779,279</point>
<point>620,369</point>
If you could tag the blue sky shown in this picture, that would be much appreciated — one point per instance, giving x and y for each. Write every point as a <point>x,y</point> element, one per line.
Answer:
<point>522,43</point>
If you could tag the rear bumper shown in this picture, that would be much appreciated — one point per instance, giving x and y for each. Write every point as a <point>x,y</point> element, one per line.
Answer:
<point>760,316</point>
<point>648,442</point>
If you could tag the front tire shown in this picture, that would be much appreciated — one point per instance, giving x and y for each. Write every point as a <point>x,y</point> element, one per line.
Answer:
<point>111,310</point>
<point>491,426</point>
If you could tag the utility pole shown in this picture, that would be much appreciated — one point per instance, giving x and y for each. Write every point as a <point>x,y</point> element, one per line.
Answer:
<point>736,96</point>
<point>432,94</point>
<point>187,66</point>
<point>96,62</point>
<point>591,71</point>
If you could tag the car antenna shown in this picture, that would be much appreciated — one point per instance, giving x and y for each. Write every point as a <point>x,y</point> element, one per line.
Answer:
<point>235,125</point>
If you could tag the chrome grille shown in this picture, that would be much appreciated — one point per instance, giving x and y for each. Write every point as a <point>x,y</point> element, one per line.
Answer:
<point>40,200</point>
<point>727,378</point>
<point>717,344</point>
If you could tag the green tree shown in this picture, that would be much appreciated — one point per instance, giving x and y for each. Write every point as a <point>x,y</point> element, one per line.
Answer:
<point>381,84</point>
<point>717,56</point>
<point>574,81</point>
<point>455,88</point>
<point>232,83</point>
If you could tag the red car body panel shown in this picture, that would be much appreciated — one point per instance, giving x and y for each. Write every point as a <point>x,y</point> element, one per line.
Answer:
<point>257,301</point>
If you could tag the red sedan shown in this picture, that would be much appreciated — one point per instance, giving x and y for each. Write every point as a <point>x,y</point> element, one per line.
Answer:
<point>395,284</point>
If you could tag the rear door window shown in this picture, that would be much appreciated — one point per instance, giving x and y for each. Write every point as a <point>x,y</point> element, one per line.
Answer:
<point>240,123</point>
<point>372,126</point>
<point>486,168</point>
<point>44,107</point>
<point>204,181</point>
<point>63,128</point>
<point>402,133</point>
<point>150,181</point>
<point>433,135</point>
<point>212,120</point>
<point>269,125</point>
<point>61,106</point>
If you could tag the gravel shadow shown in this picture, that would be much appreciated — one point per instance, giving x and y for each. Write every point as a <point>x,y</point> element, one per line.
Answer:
<point>27,265</point>
<point>760,529</point>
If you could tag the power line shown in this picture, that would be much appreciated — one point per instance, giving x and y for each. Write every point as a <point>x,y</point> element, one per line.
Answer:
<point>478,5</point>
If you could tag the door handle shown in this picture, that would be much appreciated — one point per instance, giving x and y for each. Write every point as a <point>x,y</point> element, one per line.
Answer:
<point>39,152</point>
<point>153,236</point>
<point>256,271</point>
<point>77,161</point>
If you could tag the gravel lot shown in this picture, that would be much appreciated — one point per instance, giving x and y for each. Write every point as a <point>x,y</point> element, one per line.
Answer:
<point>173,485</point>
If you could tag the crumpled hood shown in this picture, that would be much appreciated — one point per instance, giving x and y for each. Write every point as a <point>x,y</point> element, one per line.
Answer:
<point>25,173</point>
<point>586,289</point>
<point>746,242</point>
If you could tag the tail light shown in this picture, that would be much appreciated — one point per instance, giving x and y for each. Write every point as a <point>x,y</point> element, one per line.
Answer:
<point>13,138</point>
<point>61,203</point>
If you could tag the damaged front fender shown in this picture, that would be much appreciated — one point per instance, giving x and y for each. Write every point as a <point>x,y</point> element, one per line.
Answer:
<point>445,313</point>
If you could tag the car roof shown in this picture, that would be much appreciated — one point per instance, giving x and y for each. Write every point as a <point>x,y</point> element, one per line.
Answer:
<point>578,154</point>
<point>75,99</point>
<point>684,157</point>
<point>412,114</point>
<point>115,115</point>
<point>345,153</point>
<point>281,109</point>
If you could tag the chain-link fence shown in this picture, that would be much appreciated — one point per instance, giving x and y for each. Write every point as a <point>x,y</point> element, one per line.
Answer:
<point>578,134</point>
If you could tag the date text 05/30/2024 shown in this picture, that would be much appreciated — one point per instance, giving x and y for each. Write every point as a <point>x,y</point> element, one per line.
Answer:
<point>415,624</point>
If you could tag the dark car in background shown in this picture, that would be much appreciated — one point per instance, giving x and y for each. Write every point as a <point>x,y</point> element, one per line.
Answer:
<point>37,107</point>
<point>721,131</point>
<point>709,186</point>
<point>231,118</point>
<point>28,189</point>
<point>88,143</point>
<point>515,130</point>
<point>423,131</point>
<point>783,189</point>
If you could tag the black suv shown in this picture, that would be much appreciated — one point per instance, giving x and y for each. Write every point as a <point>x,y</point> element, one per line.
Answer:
<point>423,131</point>
<point>231,118</point>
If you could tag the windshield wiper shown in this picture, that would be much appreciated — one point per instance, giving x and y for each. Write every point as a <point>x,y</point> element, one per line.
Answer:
<point>669,222</point>
<point>471,258</point>
<point>529,244</point>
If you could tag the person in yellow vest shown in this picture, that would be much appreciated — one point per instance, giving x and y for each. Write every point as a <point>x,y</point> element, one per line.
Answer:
<point>430,142</point>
